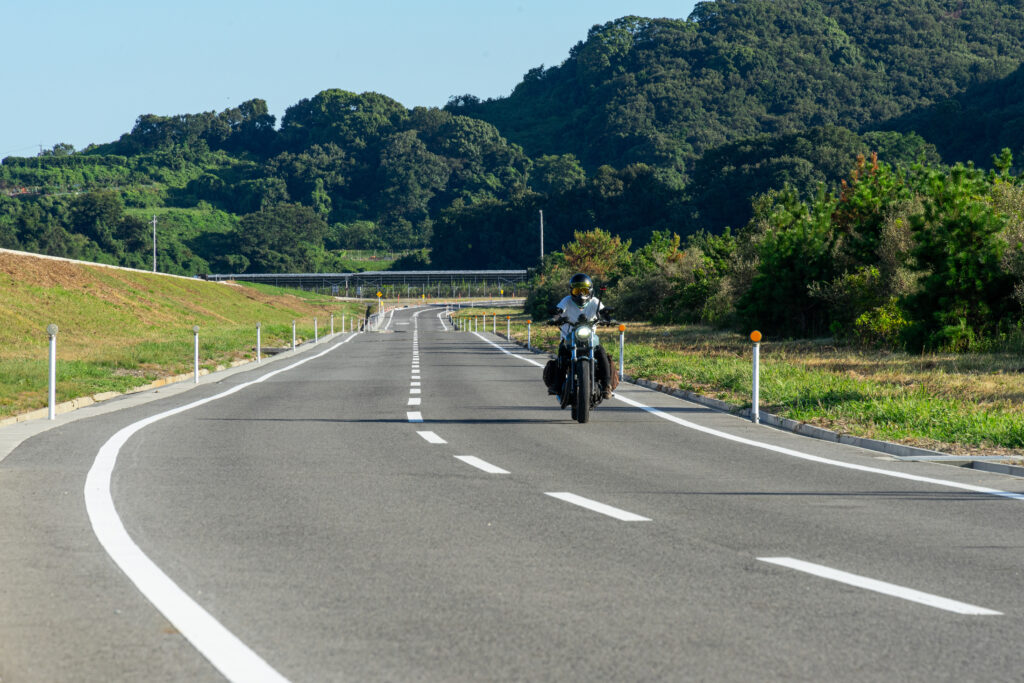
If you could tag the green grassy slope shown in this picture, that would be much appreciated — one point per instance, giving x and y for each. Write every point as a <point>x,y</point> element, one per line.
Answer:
<point>120,329</point>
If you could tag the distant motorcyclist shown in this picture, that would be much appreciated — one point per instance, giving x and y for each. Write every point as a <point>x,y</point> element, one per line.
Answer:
<point>579,301</point>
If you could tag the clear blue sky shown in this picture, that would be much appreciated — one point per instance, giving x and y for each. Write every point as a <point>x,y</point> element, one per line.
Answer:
<point>81,72</point>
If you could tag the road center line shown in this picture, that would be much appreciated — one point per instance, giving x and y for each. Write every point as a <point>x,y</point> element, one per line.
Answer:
<point>883,587</point>
<point>414,416</point>
<point>414,401</point>
<point>481,464</point>
<point>598,507</point>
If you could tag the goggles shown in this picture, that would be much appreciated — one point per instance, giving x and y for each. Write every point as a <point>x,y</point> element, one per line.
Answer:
<point>577,291</point>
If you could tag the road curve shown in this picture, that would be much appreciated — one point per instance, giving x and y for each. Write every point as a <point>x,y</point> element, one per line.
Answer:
<point>411,505</point>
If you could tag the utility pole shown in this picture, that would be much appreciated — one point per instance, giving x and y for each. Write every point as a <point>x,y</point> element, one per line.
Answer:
<point>154,244</point>
<point>542,237</point>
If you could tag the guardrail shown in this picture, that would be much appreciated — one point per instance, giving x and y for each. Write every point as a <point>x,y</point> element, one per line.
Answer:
<point>434,283</point>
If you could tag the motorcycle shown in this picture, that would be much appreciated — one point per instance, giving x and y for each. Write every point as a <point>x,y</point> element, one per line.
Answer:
<point>580,389</point>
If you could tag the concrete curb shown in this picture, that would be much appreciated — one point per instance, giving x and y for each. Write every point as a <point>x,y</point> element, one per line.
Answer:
<point>895,450</point>
<point>14,430</point>
<point>898,451</point>
<point>83,401</point>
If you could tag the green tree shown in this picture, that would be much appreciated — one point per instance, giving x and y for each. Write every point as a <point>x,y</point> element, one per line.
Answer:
<point>965,292</point>
<point>97,215</point>
<point>410,177</point>
<point>795,250</point>
<point>61,149</point>
<point>353,122</point>
<point>554,174</point>
<point>281,238</point>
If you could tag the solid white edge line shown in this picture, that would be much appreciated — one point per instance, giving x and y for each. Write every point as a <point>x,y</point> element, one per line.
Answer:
<point>217,644</point>
<point>506,351</point>
<point>790,452</point>
<point>481,464</point>
<point>883,587</point>
<point>595,506</point>
<point>818,459</point>
<point>431,437</point>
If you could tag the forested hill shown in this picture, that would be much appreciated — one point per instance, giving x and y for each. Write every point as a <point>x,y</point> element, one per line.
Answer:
<point>670,125</point>
<point>665,91</point>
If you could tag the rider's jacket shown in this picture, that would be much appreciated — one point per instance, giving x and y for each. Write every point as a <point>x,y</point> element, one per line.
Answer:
<point>572,312</point>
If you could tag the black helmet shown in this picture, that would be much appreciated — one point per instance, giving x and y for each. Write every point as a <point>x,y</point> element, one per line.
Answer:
<point>582,287</point>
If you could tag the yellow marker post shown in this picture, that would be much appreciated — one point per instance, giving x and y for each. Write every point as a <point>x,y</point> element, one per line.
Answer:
<point>755,416</point>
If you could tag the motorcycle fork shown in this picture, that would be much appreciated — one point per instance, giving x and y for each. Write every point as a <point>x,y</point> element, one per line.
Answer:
<point>571,374</point>
<point>593,375</point>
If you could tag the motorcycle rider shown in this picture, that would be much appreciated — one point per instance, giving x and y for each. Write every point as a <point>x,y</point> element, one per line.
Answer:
<point>580,300</point>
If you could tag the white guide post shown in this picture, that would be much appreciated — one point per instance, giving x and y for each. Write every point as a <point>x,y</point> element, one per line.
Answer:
<point>755,416</point>
<point>51,330</point>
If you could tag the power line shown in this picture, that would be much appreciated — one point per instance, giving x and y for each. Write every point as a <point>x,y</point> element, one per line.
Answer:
<point>19,149</point>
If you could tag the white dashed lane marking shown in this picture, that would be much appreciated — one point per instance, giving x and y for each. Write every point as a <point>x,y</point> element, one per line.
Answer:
<point>431,437</point>
<point>598,507</point>
<point>481,464</point>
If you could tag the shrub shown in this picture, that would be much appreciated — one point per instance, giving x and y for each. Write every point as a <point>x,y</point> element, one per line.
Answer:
<point>880,327</point>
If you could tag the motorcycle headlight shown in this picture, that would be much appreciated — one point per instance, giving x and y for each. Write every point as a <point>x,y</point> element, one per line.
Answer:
<point>584,332</point>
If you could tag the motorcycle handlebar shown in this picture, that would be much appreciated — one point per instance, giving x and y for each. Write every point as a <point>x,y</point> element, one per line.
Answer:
<point>562,320</point>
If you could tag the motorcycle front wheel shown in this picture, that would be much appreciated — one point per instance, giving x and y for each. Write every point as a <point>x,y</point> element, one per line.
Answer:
<point>581,408</point>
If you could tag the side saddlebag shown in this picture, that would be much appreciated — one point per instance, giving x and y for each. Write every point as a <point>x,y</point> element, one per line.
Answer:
<point>551,374</point>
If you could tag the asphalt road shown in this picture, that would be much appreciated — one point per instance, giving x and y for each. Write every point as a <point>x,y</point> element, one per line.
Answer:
<point>304,524</point>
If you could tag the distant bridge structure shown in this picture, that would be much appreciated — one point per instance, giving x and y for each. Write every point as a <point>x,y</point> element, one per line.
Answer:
<point>435,283</point>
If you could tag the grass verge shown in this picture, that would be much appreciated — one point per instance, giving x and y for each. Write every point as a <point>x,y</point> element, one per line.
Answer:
<point>964,404</point>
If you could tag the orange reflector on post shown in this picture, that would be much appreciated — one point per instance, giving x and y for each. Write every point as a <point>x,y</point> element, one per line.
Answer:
<point>755,336</point>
